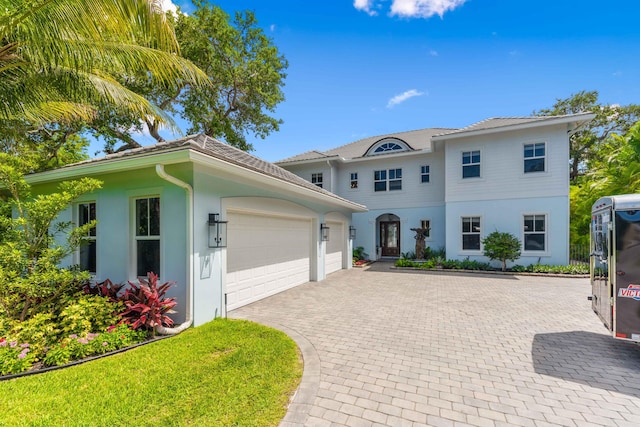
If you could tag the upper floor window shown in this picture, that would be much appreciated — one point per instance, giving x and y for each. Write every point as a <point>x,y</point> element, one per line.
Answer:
<point>87,254</point>
<point>424,173</point>
<point>471,164</point>
<point>387,145</point>
<point>316,178</point>
<point>147,235</point>
<point>391,179</point>
<point>534,157</point>
<point>535,232</point>
<point>471,233</point>
<point>354,180</point>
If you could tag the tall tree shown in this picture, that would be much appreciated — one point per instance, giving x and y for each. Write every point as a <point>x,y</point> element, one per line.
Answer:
<point>246,74</point>
<point>616,173</point>
<point>60,59</point>
<point>586,143</point>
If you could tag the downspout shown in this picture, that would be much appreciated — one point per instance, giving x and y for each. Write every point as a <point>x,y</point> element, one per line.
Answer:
<point>189,314</point>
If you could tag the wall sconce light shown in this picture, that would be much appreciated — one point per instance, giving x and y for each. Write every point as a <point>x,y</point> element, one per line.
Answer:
<point>352,232</point>
<point>217,232</point>
<point>324,232</point>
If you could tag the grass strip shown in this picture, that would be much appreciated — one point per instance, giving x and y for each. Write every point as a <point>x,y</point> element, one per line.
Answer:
<point>223,373</point>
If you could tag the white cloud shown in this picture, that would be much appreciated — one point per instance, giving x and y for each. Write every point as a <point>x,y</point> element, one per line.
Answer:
<point>403,97</point>
<point>167,5</point>
<point>272,27</point>
<point>411,8</point>
<point>365,6</point>
<point>433,52</point>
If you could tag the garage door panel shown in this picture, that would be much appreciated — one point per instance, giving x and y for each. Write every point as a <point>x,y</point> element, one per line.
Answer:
<point>335,248</point>
<point>265,255</point>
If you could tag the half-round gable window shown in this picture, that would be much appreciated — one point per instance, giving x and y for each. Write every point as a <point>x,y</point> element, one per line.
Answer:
<point>387,145</point>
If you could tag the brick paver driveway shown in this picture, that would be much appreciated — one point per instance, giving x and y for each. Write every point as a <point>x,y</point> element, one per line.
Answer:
<point>385,347</point>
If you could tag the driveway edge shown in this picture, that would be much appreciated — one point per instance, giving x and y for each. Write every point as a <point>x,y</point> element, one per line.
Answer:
<point>304,397</point>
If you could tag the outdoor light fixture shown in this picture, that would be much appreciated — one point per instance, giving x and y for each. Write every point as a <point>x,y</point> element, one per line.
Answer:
<point>217,232</point>
<point>352,232</point>
<point>324,232</point>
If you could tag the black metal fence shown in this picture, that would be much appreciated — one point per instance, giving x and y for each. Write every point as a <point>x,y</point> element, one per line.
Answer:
<point>578,254</point>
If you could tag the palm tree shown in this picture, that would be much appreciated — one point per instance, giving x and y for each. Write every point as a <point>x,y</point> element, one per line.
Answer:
<point>61,58</point>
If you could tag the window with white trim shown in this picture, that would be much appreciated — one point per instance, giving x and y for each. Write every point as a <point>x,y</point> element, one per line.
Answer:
<point>316,178</point>
<point>87,253</point>
<point>388,146</point>
<point>391,179</point>
<point>147,235</point>
<point>354,180</point>
<point>471,233</point>
<point>535,232</point>
<point>424,173</point>
<point>534,157</point>
<point>471,164</point>
<point>425,224</point>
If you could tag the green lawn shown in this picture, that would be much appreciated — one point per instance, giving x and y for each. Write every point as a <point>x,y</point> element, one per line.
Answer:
<point>224,373</point>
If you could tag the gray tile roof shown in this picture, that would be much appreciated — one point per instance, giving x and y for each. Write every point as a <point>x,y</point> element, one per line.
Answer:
<point>495,123</point>
<point>421,139</point>
<point>416,139</point>
<point>219,150</point>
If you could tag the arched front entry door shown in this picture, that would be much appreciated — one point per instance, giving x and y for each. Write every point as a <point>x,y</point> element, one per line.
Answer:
<point>389,235</point>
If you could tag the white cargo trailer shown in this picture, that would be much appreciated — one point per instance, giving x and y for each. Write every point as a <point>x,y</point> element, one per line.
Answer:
<point>615,264</point>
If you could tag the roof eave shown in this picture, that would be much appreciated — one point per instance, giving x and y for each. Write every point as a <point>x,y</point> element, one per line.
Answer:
<point>269,182</point>
<point>578,119</point>
<point>171,156</point>
<point>309,161</point>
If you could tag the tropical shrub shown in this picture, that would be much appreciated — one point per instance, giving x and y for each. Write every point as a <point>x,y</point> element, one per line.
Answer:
<point>39,331</point>
<point>359,254</point>
<point>502,247</point>
<point>15,357</point>
<point>89,313</point>
<point>31,281</point>
<point>76,347</point>
<point>146,305</point>
<point>105,289</point>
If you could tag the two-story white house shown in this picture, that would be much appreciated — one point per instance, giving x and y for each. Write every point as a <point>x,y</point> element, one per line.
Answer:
<point>505,174</point>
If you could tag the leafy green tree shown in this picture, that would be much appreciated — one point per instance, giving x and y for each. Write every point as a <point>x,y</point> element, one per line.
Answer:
<point>245,71</point>
<point>502,247</point>
<point>31,247</point>
<point>586,145</point>
<point>617,173</point>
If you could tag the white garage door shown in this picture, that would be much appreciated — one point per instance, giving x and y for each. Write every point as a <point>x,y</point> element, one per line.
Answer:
<point>335,246</point>
<point>265,255</point>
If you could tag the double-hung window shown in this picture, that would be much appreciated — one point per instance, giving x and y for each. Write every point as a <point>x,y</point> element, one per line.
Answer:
<point>534,157</point>
<point>316,178</point>
<point>535,232</point>
<point>380,180</point>
<point>87,254</point>
<point>471,233</point>
<point>354,180</point>
<point>471,164</point>
<point>391,179</point>
<point>395,179</point>
<point>424,173</point>
<point>147,235</point>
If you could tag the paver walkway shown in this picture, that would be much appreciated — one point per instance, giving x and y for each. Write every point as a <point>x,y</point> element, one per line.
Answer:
<point>396,348</point>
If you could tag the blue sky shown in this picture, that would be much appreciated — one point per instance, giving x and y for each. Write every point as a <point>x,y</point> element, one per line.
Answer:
<point>370,67</point>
